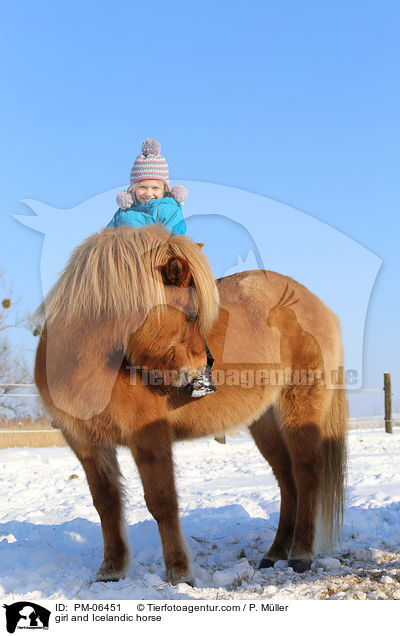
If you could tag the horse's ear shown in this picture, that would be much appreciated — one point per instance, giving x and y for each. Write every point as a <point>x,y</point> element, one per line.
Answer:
<point>200,244</point>
<point>176,272</point>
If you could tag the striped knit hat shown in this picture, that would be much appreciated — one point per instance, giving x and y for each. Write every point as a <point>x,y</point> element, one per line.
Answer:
<point>150,165</point>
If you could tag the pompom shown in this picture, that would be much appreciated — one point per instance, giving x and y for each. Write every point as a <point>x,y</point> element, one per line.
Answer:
<point>151,147</point>
<point>124,200</point>
<point>179,193</point>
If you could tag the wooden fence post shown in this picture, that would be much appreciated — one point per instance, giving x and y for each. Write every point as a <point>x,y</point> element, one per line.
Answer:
<point>387,383</point>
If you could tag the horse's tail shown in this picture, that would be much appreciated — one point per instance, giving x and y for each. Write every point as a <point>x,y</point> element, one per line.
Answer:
<point>334,470</point>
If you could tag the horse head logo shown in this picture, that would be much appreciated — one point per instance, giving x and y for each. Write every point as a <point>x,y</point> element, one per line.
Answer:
<point>241,231</point>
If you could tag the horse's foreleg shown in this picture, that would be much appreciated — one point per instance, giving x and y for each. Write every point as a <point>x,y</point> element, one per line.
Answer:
<point>271,445</point>
<point>151,449</point>
<point>102,473</point>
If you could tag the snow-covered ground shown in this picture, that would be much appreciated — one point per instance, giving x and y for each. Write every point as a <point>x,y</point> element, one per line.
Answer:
<point>51,543</point>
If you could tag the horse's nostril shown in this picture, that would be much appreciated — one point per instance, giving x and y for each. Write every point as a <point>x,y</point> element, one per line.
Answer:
<point>185,377</point>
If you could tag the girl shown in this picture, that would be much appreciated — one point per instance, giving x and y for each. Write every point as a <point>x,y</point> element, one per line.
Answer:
<point>149,200</point>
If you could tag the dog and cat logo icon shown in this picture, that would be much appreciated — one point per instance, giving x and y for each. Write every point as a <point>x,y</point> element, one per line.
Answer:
<point>26,615</point>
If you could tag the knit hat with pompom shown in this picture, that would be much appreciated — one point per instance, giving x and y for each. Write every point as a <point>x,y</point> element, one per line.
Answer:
<point>150,165</point>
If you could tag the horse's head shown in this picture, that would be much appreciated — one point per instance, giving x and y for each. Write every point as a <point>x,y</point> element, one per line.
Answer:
<point>144,292</point>
<point>171,343</point>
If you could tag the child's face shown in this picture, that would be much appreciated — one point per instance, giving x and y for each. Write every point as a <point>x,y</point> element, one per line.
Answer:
<point>149,189</point>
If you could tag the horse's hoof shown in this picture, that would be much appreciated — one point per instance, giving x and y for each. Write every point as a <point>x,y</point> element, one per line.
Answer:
<point>100,578</point>
<point>300,565</point>
<point>266,563</point>
<point>174,577</point>
<point>109,574</point>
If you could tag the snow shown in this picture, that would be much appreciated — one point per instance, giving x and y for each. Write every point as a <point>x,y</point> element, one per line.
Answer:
<point>51,542</point>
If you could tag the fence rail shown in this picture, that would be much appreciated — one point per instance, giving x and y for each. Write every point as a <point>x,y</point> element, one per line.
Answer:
<point>387,389</point>
<point>24,384</point>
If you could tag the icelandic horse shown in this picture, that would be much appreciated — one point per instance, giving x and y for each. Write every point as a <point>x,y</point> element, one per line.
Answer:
<point>123,335</point>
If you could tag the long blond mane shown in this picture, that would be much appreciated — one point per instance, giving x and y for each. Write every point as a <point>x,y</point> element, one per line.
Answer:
<point>116,273</point>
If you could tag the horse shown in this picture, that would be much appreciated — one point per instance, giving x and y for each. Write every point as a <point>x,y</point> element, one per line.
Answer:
<point>123,334</point>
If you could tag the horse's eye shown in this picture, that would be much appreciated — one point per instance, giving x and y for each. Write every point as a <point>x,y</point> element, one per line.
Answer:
<point>192,315</point>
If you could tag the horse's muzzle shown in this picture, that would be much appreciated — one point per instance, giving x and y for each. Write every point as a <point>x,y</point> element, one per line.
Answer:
<point>186,375</point>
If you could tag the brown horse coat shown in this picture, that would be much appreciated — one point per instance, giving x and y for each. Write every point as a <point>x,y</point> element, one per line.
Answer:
<point>104,368</point>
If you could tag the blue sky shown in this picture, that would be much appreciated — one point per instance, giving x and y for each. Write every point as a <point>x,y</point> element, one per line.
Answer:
<point>297,102</point>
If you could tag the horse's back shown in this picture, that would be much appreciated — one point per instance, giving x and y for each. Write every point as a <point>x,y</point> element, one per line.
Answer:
<point>250,298</point>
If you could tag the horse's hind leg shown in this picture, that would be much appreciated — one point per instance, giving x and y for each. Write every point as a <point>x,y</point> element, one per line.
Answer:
<point>302,420</point>
<point>152,452</point>
<point>270,443</point>
<point>102,472</point>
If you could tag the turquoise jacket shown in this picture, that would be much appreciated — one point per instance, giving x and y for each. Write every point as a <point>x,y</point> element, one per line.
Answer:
<point>165,210</point>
